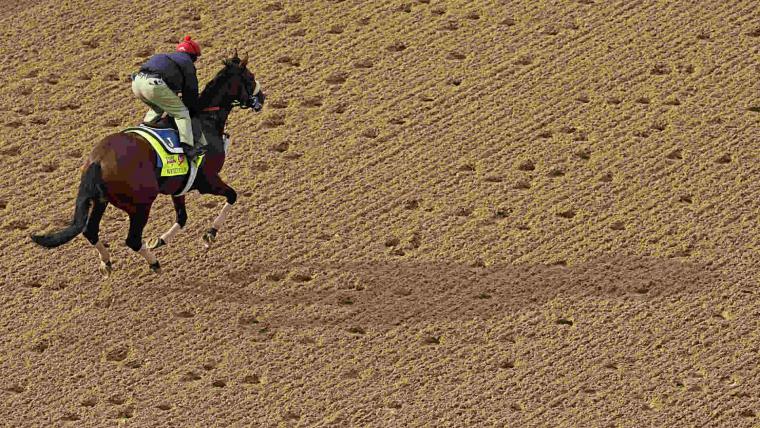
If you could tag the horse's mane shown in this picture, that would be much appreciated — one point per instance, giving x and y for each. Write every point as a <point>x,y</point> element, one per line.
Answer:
<point>214,82</point>
<point>212,87</point>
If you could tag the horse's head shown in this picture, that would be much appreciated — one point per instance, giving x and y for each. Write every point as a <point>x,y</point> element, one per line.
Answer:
<point>234,85</point>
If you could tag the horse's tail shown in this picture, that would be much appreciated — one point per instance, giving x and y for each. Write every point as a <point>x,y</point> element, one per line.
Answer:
<point>90,187</point>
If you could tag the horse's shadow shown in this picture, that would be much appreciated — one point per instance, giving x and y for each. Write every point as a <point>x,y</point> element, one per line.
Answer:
<point>388,294</point>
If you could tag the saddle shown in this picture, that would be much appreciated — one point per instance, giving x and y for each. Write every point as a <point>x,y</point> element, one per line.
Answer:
<point>165,130</point>
<point>170,158</point>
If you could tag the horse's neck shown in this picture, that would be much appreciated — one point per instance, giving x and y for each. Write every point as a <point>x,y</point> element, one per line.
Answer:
<point>220,118</point>
<point>211,97</point>
<point>206,103</point>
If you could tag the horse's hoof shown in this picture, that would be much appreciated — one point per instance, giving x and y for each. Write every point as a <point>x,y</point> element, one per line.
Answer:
<point>154,243</point>
<point>155,267</point>
<point>106,268</point>
<point>209,237</point>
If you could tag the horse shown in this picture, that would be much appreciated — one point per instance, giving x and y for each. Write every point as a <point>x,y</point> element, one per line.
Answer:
<point>121,170</point>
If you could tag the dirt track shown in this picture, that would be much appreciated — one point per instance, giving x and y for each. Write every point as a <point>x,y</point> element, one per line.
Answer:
<point>510,213</point>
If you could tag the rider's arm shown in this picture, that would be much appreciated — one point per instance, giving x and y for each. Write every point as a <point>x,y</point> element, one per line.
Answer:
<point>190,91</point>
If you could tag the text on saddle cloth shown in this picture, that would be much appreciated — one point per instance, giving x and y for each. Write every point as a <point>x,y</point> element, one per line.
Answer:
<point>165,142</point>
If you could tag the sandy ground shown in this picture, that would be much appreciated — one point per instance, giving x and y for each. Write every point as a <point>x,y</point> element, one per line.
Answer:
<point>452,213</point>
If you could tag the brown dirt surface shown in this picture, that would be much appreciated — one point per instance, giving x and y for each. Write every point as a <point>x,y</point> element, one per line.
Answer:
<point>452,213</point>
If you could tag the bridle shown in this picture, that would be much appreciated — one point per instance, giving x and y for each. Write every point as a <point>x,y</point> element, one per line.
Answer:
<point>254,97</point>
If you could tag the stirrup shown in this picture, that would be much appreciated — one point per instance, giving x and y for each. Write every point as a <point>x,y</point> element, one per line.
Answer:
<point>192,152</point>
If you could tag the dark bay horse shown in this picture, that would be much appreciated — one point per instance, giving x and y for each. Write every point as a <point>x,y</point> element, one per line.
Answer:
<point>121,170</point>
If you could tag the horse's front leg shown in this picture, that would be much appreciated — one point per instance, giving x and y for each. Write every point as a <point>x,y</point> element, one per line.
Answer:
<point>222,189</point>
<point>181,211</point>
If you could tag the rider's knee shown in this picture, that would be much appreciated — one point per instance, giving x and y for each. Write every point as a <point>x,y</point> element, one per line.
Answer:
<point>183,114</point>
<point>134,242</point>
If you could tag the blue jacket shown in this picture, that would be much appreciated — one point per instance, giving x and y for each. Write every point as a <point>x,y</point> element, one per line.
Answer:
<point>178,71</point>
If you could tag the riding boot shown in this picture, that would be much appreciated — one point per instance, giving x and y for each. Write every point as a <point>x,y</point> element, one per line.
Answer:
<point>190,152</point>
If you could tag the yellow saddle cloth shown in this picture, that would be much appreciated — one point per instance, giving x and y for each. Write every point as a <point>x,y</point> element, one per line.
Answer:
<point>171,164</point>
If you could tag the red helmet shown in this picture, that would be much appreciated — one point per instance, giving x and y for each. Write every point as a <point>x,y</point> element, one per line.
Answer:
<point>189,46</point>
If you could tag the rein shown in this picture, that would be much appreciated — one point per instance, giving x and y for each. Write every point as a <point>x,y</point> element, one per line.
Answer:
<point>234,104</point>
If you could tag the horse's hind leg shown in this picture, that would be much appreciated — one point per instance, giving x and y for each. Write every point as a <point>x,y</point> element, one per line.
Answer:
<point>181,211</point>
<point>92,231</point>
<point>138,218</point>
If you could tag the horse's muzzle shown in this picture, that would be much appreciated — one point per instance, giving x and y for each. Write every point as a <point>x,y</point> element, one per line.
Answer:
<point>257,101</point>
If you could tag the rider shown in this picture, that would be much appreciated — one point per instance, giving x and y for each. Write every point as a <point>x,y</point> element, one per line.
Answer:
<point>159,81</point>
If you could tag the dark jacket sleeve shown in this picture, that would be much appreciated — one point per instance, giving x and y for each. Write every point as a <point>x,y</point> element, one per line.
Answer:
<point>190,90</point>
<point>188,84</point>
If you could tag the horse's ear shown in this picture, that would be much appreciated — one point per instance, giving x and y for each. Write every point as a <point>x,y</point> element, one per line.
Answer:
<point>226,62</point>
<point>235,56</point>
<point>244,61</point>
